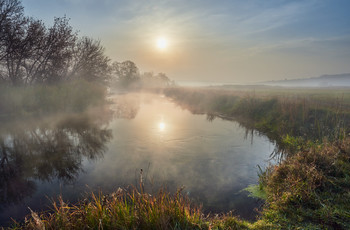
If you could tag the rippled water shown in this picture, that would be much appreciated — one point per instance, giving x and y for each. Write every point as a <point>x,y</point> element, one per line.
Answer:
<point>75,154</point>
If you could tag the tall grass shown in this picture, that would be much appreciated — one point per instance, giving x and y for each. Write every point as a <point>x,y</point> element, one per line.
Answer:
<point>311,189</point>
<point>129,209</point>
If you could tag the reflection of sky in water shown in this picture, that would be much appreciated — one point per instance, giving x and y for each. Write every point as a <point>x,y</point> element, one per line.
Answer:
<point>175,148</point>
<point>213,160</point>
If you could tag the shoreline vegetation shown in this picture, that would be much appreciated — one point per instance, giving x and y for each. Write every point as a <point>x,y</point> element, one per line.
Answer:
<point>41,100</point>
<point>308,189</point>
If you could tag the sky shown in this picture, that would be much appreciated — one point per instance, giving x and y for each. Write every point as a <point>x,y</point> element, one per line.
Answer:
<point>226,41</point>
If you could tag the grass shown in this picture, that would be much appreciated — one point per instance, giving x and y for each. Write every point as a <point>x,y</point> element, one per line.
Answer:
<point>291,120</point>
<point>311,189</point>
<point>129,209</point>
<point>37,100</point>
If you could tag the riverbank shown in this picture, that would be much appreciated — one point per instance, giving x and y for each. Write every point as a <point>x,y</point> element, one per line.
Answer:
<point>309,189</point>
<point>293,118</point>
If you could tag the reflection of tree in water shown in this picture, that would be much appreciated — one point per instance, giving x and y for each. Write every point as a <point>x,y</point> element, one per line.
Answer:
<point>210,117</point>
<point>45,152</point>
<point>126,106</point>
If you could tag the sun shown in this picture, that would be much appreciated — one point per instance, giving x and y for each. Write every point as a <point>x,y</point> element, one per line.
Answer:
<point>161,126</point>
<point>162,43</point>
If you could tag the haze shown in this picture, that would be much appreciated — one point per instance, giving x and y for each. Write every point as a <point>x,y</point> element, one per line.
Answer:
<point>215,41</point>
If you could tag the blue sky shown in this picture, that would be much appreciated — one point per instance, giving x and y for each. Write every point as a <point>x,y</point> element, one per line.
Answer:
<point>226,41</point>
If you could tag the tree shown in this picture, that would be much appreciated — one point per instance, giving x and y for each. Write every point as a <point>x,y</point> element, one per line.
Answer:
<point>89,61</point>
<point>163,79</point>
<point>126,73</point>
<point>149,79</point>
<point>32,53</point>
<point>11,29</point>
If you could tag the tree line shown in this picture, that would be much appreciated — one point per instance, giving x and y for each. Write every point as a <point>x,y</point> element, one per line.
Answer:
<point>33,53</point>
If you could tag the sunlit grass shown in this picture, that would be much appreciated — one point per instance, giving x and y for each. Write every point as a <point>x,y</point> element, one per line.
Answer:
<point>129,209</point>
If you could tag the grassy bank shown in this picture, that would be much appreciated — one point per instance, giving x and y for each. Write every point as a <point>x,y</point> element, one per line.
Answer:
<point>310,189</point>
<point>290,119</point>
<point>73,96</point>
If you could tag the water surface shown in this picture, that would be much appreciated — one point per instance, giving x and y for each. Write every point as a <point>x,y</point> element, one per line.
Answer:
<point>75,154</point>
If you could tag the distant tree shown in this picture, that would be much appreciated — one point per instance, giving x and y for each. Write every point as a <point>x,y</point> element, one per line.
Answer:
<point>126,74</point>
<point>149,79</point>
<point>163,79</point>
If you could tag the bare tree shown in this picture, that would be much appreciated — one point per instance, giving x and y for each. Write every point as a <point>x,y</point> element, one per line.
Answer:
<point>89,61</point>
<point>11,30</point>
<point>32,53</point>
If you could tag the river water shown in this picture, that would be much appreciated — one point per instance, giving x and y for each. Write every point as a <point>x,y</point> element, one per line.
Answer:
<point>72,155</point>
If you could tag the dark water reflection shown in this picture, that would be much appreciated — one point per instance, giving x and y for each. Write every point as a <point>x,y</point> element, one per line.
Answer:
<point>34,153</point>
<point>74,154</point>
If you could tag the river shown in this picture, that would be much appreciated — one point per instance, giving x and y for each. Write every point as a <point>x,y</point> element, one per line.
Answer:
<point>72,155</point>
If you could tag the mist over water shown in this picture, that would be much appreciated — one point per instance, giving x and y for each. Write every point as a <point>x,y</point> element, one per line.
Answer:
<point>73,155</point>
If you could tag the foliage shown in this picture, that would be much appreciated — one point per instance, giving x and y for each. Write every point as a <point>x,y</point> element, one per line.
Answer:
<point>256,191</point>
